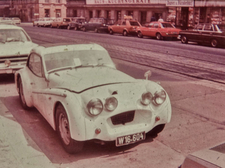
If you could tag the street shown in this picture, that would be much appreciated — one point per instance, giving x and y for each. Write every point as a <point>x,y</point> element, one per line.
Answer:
<point>191,74</point>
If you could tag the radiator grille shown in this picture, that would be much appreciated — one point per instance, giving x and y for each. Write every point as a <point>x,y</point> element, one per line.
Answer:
<point>14,59</point>
<point>123,118</point>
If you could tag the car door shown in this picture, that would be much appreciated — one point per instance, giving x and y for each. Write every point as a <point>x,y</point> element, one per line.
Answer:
<point>150,30</point>
<point>196,34</point>
<point>207,33</point>
<point>38,82</point>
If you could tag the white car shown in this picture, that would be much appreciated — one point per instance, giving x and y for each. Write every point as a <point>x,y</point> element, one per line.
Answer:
<point>15,45</point>
<point>84,97</point>
<point>16,20</point>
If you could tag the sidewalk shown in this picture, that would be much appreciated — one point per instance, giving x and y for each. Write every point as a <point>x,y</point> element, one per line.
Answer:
<point>14,149</point>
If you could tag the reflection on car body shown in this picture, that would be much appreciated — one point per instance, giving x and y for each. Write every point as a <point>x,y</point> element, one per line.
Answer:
<point>205,33</point>
<point>15,45</point>
<point>159,30</point>
<point>84,97</point>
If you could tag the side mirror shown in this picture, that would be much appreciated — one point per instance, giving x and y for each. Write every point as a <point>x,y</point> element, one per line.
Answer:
<point>148,74</point>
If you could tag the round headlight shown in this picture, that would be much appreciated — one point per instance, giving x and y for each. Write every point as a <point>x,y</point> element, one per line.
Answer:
<point>95,107</point>
<point>159,97</point>
<point>111,103</point>
<point>146,98</point>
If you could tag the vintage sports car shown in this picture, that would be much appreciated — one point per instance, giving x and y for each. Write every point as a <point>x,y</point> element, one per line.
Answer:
<point>15,45</point>
<point>159,30</point>
<point>84,97</point>
<point>205,33</point>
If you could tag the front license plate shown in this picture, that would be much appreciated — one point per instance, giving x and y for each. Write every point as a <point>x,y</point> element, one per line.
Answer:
<point>130,139</point>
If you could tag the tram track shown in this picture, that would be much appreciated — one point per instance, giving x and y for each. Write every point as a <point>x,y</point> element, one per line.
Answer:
<point>183,61</point>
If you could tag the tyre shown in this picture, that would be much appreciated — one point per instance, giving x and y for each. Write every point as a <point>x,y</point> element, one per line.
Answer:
<point>51,26</point>
<point>158,36</point>
<point>21,94</point>
<point>140,35</point>
<point>125,33</point>
<point>75,28</point>
<point>156,130</point>
<point>37,25</point>
<point>68,27</point>
<point>111,31</point>
<point>184,39</point>
<point>214,43</point>
<point>58,26</point>
<point>84,29</point>
<point>63,129</point>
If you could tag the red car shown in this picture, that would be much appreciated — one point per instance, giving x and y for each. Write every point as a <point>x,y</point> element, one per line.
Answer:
<point>159,30</point>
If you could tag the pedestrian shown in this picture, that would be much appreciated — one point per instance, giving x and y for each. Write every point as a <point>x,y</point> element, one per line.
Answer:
<point>160,19</point>
<point>153,18</point>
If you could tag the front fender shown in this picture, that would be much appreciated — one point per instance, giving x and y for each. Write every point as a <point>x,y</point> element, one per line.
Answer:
<point>26,85</point>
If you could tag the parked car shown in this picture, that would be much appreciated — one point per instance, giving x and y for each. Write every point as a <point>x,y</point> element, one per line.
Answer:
<point>16,20</point>
<point>45,22</point>
<point>77,23</point>
<point>36,22</point>
<point>61,22</point>
<point>213,157</point>
<point>159,30</point>
<point>212,34</point>
<point>125,27</point>
<point>84,97</point>
<point>15,45</point>
<point>98,25</point>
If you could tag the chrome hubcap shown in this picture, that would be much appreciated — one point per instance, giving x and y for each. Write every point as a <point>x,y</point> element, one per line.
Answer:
<point>64,129</point>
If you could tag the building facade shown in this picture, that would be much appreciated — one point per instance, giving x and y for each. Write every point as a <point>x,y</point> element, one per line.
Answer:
<point>4,8</point>
<point>183,13</point>
<point>28,10</point>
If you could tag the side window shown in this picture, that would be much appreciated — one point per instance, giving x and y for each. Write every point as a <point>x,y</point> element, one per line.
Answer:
<point>208,27</point>
<point>123,23</point>
<point>35,65</point>
<point>156,25</point>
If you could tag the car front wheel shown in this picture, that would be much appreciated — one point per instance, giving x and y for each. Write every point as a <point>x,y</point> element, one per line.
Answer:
<point>125,33</point>
<point>159,36</point>
<point>96,30</point>
<point>75,28</point>
<point>214,43</point>
<point>184,39</point>
<point>21,94</point>
<point>111,31</point>
<point>63,129</point>
<point>156,130</point>
<point>68,27</point>
<point>140,35</point>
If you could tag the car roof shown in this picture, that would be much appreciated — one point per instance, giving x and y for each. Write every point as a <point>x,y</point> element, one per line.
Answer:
<point>54,48</point>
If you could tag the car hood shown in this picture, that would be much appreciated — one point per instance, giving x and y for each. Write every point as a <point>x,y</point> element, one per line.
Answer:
<point>16,48</point>
<point>84,78</point>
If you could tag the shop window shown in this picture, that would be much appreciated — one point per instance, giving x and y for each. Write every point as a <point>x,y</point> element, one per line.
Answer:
<point>108,14</point>
<point>47,12</point>
<point>118,15</point>
<point>90,14</point>
<point>143,17</point>
<point>58,12</point>
<point>98,13</point>
<point>74,13</point>
<point>130,13</point>
<point>46,1</point>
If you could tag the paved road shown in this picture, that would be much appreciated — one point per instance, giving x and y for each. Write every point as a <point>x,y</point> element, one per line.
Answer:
<point>198,121</point>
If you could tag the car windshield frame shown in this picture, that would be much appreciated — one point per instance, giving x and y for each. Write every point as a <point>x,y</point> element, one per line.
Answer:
<point>13,35</point>
<point>76,59</point>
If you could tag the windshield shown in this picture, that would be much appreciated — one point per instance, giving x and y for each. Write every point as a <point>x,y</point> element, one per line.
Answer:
<point>81,58</point>
<point>134,23</point>
<point>12,35</point>
<point>167,25</point>
<point>221,27</point>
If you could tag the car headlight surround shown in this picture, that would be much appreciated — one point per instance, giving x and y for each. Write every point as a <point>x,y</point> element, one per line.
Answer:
<point>146,98</point>
<point>111,103</point>
<point>159,97</point>
<point>95,106</point>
